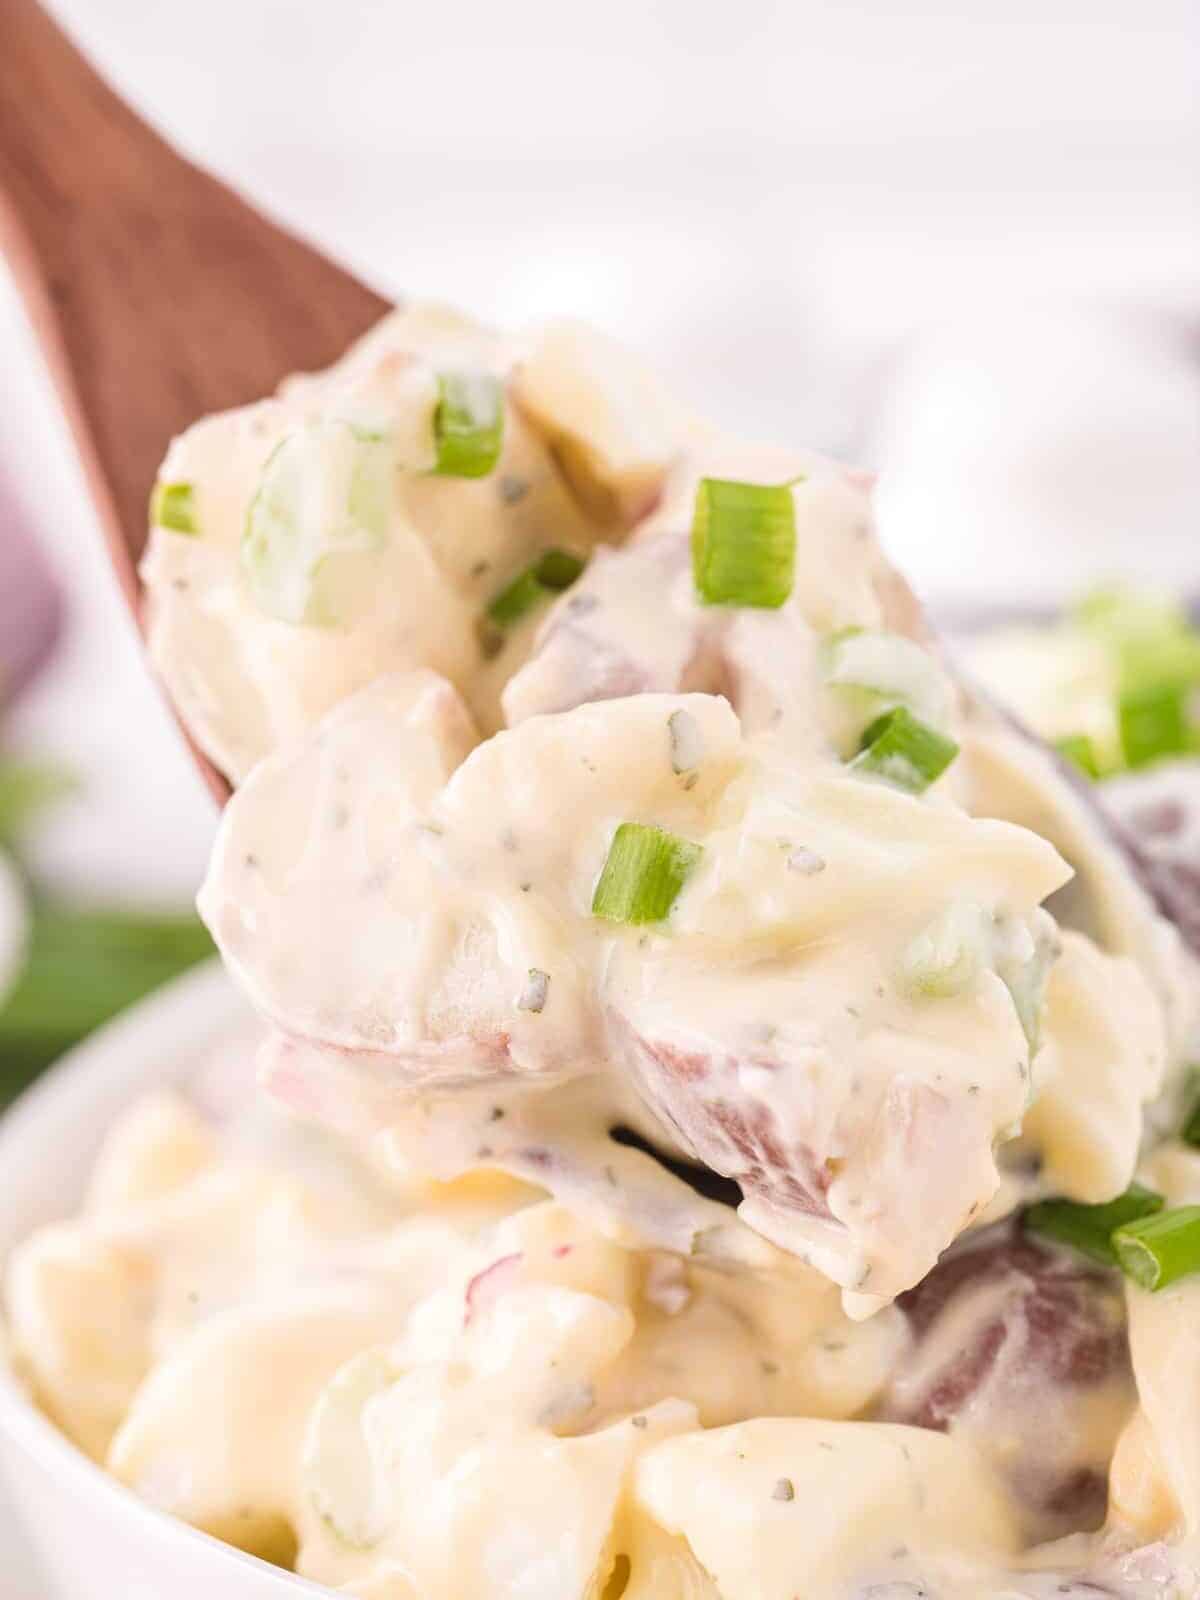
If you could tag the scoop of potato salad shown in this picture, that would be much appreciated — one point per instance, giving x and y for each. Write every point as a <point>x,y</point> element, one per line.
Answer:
<point>731,1105</point>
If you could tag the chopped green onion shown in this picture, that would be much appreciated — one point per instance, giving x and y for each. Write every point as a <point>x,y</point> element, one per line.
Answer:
<point>643,874</point>
<point>890,667</point>
<point>1080,749</point>
<point>558,569</point>
<point>173,505</point>
<point>948,955</point>
<point>1157,1250</point>
<point>1154,722</point>
<point>468,424</point>
<point>1150,638</point>
<point>904,751</point>
<point>316,525</point>
<point>1090,1228</point>
<point>1120,613</point>
<point>743,543</point>
<point>551,573</point>
<point>516,599</point>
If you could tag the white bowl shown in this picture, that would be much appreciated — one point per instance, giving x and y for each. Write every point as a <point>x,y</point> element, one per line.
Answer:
<point>91,1537</point>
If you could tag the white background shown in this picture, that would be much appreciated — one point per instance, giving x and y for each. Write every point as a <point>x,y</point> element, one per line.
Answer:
<point>956,240</point>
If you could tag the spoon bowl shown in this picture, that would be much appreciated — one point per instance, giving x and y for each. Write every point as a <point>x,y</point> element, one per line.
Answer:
<point>157,294</point>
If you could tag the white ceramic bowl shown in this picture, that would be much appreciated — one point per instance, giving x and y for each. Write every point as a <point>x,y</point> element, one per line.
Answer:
<point>90,1536</point>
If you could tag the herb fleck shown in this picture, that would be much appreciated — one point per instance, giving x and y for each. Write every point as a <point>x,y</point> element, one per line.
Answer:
<point>513,489</point>
<point>784,1489</point>
<point>537,986</point>
<point>638,1422</point>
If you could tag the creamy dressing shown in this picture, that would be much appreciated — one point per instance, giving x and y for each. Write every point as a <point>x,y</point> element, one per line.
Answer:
<point>672,1259</point>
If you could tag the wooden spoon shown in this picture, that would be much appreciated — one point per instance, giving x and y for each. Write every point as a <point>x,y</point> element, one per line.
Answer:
<point>157,294</point>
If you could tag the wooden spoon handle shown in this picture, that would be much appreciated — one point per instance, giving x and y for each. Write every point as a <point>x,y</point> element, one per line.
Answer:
<point>157,293</point>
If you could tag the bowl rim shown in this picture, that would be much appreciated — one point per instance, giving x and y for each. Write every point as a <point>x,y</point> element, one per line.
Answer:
<point>112,1064</point>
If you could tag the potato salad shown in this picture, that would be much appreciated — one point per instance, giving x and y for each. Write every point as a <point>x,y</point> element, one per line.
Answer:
<point>730,1084</point>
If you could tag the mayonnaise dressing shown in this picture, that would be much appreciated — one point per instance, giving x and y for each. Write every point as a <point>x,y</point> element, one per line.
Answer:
<point>630,1277</point>
<point>247,678</point>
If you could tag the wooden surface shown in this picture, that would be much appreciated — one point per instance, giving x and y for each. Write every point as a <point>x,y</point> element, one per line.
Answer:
<point>157,294</point>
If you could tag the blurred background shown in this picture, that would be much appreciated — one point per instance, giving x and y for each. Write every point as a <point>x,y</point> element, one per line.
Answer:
<point>957,242</point>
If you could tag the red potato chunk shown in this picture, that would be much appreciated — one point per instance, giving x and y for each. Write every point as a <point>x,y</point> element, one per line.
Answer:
<point>1024,1349</point>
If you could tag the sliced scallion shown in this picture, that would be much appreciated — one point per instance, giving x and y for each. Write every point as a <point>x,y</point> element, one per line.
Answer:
<point>1090,1228</point>
<point>1157,1250</point>
<point>1154,722</point>
<point>516,599</point>
<point>558,569</point>
<point>173,506</point>
<point>743,543</point>
<point>550,574</point>
<point>1080,750</point>
<point>468,424</point>
<point>315,528</point>
<point>947,956</point>
<point>904,750</point>
<point>645,869</point>
<point>894,669</point>
<point>1150,639</point>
